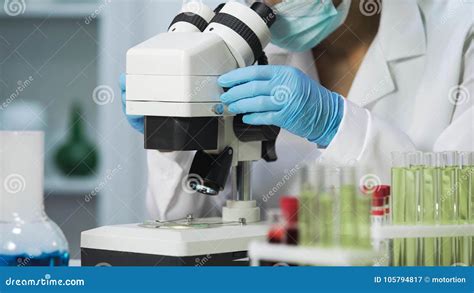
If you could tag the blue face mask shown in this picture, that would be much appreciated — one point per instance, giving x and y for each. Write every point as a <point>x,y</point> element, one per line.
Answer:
<point>303,24</point>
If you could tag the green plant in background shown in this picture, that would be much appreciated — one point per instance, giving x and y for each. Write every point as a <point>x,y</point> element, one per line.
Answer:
<point>77,156</point>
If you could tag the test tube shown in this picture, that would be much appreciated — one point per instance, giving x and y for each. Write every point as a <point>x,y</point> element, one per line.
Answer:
<point>308,217</point>
<point>387,217</point>
<point>466,191</point>
<point>397,204</point>
<point>347,207</point>
<point>471,207</point>
<point>428,205</point>
<point>378,195</point>
<point>412,205</point>
<point>448,206</point>
<point>328,222</point>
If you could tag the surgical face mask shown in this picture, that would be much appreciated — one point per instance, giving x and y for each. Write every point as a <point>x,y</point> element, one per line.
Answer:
<point>303,24</point>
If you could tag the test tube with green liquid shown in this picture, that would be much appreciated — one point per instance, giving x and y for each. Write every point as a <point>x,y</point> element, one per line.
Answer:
<point>428,207</point>
<point>448,206</point>
<point>465,190</point>
<point>308,217</point>
<point>397,204</point>
<point>471,207</point>
<point>412,198</point>
<point>363,214</point>
<point>347,207</point>
<point>327,209</point>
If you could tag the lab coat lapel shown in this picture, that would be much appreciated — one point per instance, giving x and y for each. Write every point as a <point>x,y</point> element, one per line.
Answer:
<point>401,36</point>
<point>373,80</point>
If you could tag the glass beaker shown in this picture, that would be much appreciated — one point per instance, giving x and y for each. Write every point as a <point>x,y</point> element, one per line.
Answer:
<point>27,236</point>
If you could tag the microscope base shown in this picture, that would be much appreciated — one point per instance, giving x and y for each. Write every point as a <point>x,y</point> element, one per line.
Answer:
<point>132,245</point>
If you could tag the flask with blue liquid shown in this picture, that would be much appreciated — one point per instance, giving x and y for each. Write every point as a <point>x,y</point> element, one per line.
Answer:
<point>27,236</point>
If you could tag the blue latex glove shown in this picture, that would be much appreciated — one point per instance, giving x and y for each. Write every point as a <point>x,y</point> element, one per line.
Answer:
<point>286,97</point>
<point>135,121</point>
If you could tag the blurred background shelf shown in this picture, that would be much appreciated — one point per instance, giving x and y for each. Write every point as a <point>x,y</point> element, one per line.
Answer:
<point>54,9</point>
<point>57,184</point>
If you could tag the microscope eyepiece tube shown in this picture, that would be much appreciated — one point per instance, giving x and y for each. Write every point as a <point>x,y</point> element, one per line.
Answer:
<point>245,30</point>
<point>194,17</point>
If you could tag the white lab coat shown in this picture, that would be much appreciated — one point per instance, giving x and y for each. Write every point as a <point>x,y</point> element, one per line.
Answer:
<point>403,98</point>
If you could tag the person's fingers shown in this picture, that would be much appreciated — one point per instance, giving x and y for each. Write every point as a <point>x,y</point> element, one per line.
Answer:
<point>255,105</point>
<point>137,122</point>
<point>122,82</point>
<point>246,74</point>
<point>266,118</point>
<point>247,90</point>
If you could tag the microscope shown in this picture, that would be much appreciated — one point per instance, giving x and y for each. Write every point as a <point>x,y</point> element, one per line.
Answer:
<point>172,81</point>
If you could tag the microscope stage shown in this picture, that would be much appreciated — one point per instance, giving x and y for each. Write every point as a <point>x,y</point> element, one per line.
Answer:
<point>132,244</point>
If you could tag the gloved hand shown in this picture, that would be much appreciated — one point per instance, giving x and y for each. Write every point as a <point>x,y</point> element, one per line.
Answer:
<point>286,97</point>
<point>134,120</point>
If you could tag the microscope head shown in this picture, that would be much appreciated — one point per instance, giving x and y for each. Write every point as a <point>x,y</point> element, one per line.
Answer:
<point>172,81</point>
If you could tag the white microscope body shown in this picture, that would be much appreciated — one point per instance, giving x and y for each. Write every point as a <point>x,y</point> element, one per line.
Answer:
<point>172,81</point>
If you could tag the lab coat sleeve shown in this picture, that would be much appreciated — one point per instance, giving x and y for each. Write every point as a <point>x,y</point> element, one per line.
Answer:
<point>367,139</point>
<point>168,195</point>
